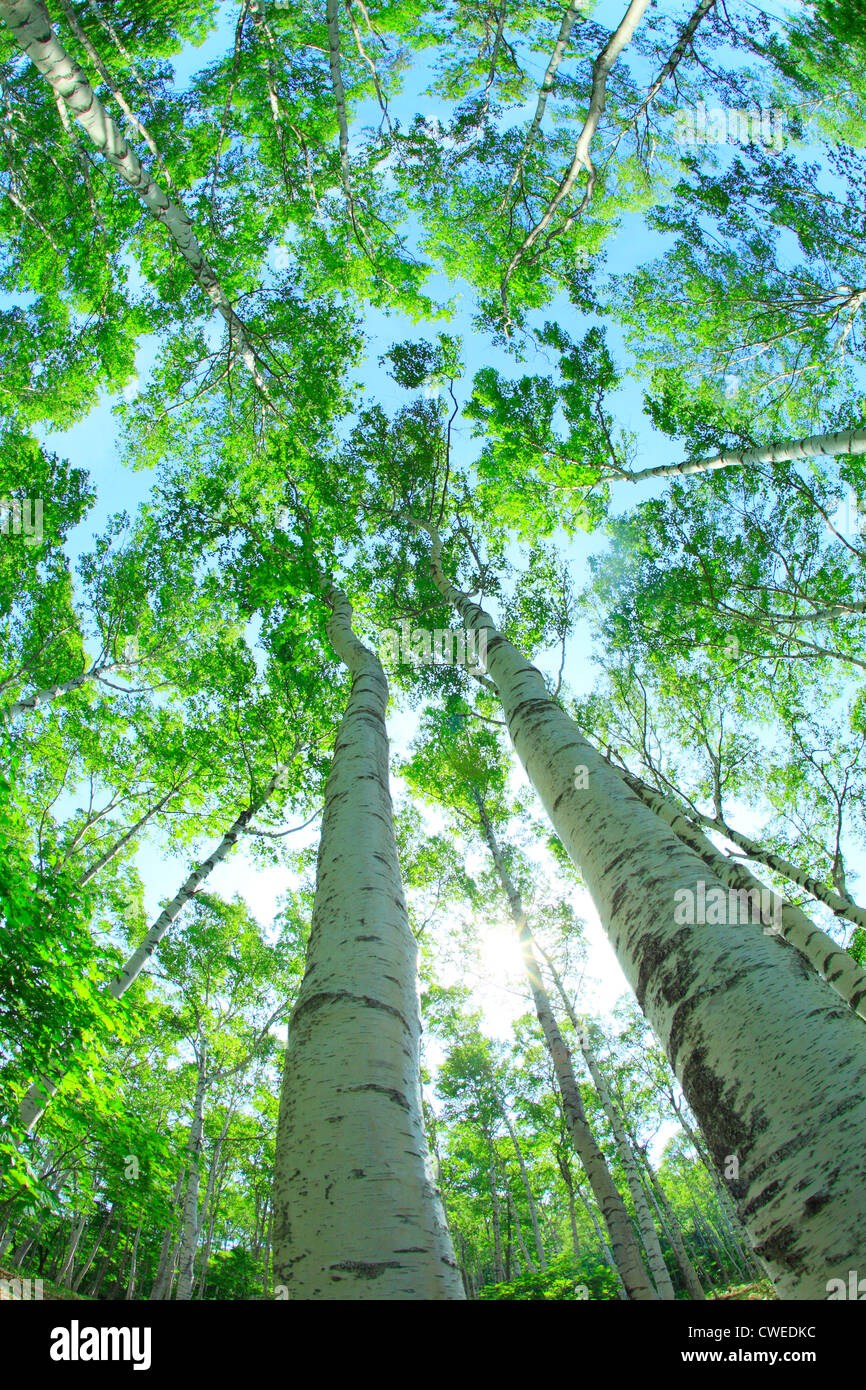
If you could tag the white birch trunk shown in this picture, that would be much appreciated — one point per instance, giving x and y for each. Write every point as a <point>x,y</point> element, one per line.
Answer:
<point>527,1187</point>
<point>831,960</point>
<point>668,1218</point>
<point>133,1267</point>
<point>622,1291</point>
<point>356,1212</point>
<point>514,1218</point>
<point>186,1259</point>
<point>161,1279</point>
<point>76,1232</point>
<point>658,1269</point>
<point>53,692</point>
<point>211,1198</point>
<point>79,1278</point>
<point>770,1061</point>
<point>626,1251</point>
<point>812,446</point>
<point>496,1222</point>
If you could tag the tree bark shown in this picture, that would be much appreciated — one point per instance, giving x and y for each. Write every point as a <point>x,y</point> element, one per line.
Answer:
<point>811,446</point>
<point>527,1187</point>
<point>186,1261</point>
<point>770,1061</point>
<point>356,1212</point>
<point>622,1238</point>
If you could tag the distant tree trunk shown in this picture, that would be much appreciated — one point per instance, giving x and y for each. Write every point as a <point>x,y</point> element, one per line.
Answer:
<point>622,1291</point>
<point>106,1261</point>
<point>658,1269</point>
<point>133,1266</point>
<point>79,1278</point>
<point>565,1170</point>
<point>160,1284</point>
<point>499,1272</point>
<point>186,1262</point>
<point>623,1243</point>
<point>527,1187</point>
<point>266,1262</point>
<point>514,1228</point>
<point>40,1092</point>
<point>75,1235</point>
<point>211,1197</point>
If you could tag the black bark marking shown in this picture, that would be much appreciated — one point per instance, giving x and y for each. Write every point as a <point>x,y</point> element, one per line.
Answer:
<point>365,1269</point>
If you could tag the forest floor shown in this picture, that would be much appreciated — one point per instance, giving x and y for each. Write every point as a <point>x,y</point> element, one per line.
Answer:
<point>745,1292</point>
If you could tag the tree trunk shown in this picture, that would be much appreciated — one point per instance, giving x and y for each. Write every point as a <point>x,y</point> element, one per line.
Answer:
<point>79,1278</point>
<point>75,1235</point>
<point>186,1262</point>
<point>133,1266</point>
<point>606,1251</point>
<point>106,1260</point>
<point>31,29</point>
<point>769,1060</point>
<point>622,1238</point>
<point>498,1269</point>
<point>211,1197</point>
<point>530,1200</point>
<point>160,1283</point>
<point>514,1227</point>
<point>356,1213</point>
<point>658,1269</point>
<point>668,1217</point>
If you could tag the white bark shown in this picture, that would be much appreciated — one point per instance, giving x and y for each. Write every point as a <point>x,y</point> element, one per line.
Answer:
<point>812,446</point>
<point>75,1234</point>
<point>769,1060</point>
<point>53,692</point>
<point>189,1242</point>
<point>498,1267</point>
<point>605,1248</point>
<point>831,960</point>
<point>515,1228</point>
<point>626,1251</point>
<point>133,1267</point>
<point>618,40</point>
<point>527,1187</point>
<point>556,57</point>
<point>657,1267</point>
<point>79,1278</point>
<point>356,1213</point>
<point>165,1267</point>
<point>668,1218</point>
<point>627,1155</point>
<point>211,1198</point>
